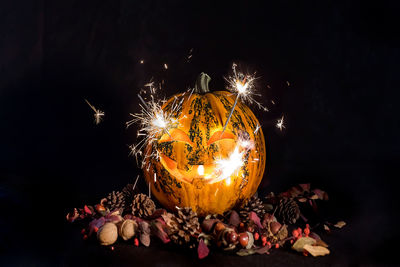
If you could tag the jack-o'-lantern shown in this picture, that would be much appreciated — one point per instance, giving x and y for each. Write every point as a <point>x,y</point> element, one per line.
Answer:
<point>200,164</point>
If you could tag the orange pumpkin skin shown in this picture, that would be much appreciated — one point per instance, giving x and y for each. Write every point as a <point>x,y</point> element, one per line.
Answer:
<point>198,140</point>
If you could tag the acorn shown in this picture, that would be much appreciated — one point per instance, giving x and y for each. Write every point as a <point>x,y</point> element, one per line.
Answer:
<point>127,229</point>
<point>275,226</point>
<point>107,234</point>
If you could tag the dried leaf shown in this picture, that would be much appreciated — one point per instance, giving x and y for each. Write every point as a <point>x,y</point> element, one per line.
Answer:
<point>234,218</point>
<point>301,242</point>
<point>202,250</point>
<point>302,199</point>
<point>253,217</point>
<point>321,243</point>
<point>326,228</point>
<point>340,224</point>
<point>321,194</point>
<point>263,250</point>
<point>157,213</point>
<point>246,252</point>
<point>305,187</point>
<point>317,250</point>
<point>72,216</point>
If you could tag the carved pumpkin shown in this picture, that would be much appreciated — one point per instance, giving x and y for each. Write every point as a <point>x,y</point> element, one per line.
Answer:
<point>186,173</point>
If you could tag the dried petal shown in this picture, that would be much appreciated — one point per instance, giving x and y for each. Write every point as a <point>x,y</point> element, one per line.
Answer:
<point>253,217</point>
<point>157,227</point>
<point>301,242</point>
<point>202,250</point>
<point>87,210</point>
<point>340,224</point>
<point>316,250</point>
<point>234,219</point>
<point>144,233</point>
<point>207,225</point>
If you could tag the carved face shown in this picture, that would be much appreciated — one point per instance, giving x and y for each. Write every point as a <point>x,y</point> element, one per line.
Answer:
<point>199,164</point>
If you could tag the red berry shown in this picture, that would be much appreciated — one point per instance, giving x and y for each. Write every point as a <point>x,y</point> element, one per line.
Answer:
<point>291,241</point>
<point>83,231</point>
<point>295,233</point>
<point>306,231</point>
<point>300,231</point>
<point>256,236</point>
<point>112,247</point>
<point>95,229</point>
<point>276,245</point>
<point>136,242</point>
<point>269,244</point>
<point>85,237</point>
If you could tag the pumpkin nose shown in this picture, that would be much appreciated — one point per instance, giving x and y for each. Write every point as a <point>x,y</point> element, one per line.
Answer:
<point>200,170</point>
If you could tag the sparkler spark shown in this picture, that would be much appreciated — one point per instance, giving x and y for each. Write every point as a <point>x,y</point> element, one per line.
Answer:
<point>153,122</point>
<point>98,114</point>
<point>243,86</point>
<point>280,124</point>
<point>225,168</point>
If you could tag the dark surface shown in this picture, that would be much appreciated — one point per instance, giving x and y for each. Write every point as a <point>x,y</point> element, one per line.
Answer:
<point>341,111</point>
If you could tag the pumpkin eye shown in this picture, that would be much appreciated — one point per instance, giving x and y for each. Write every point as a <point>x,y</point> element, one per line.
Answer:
<point>219,135</point>
<point>175,135</point>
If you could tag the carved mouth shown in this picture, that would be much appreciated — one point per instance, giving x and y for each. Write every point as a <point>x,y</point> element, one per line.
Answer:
<point>206,172</point>
<point>209,172</point>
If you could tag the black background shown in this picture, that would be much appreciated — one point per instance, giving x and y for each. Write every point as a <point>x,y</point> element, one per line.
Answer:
<point>341,60</point>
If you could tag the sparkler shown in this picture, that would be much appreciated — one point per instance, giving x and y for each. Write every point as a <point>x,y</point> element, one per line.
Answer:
<point>154,122</point>
<point>225,168</point>
<point>243,86</point>
<point>280,124</point>
<point>98,114</point>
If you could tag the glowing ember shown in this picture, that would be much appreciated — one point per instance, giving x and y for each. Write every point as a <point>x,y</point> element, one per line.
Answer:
<point>280,124</point>
<point>98,114</point>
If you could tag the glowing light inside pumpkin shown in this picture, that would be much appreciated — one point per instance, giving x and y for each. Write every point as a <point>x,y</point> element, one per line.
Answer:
<point>200,170</point>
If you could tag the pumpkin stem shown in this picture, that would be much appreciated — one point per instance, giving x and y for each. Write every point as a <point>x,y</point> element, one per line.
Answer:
<point>201,86</point>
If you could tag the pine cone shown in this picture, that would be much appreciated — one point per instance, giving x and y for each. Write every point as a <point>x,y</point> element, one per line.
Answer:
<point>287,211</point>
<point>184,227</point>
<point>254,204</point>
<point>128,192</point>
<point>142,206</point>
<point>114,201</point>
